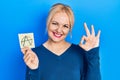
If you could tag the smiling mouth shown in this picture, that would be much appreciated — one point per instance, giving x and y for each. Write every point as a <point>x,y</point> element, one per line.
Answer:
<point>57,35</point>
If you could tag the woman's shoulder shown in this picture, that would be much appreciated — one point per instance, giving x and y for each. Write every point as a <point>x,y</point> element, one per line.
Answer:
<point>38,49</point>
<point>77,48</point>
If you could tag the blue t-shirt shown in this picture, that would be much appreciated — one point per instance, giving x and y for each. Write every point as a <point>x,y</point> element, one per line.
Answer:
<point>73,64</point>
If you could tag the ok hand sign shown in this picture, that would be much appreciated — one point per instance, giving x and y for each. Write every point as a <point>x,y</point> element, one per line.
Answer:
<point>90,41</point>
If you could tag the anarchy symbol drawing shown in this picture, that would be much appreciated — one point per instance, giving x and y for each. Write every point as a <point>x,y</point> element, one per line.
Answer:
<point>26,40</point>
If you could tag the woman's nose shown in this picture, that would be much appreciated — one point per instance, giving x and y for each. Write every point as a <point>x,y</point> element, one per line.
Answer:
<point>59,29</point>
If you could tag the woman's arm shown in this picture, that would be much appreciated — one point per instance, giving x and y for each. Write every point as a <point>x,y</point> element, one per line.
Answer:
<point>92,64</point>
<point>32,62</point>
<point>90,46</point>
<point>32,74</point>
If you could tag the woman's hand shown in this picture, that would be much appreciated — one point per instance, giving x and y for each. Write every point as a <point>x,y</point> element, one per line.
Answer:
<point>30,58</point>
<point>90,41</point>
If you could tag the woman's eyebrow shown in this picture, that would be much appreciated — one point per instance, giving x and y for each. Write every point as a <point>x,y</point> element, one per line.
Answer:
<point>66,24</point>
<point>62,24</point>
<point>54,21</point>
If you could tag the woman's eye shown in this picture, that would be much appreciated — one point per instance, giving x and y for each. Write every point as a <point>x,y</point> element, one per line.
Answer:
<point>54,23</point>
<point>66,26</point>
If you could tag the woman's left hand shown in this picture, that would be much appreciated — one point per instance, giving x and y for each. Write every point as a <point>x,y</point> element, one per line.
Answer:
<point>90,41</point>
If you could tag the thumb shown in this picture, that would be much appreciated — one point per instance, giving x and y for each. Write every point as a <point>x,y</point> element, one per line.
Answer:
<point>83,40</point>
<point>24,50</point>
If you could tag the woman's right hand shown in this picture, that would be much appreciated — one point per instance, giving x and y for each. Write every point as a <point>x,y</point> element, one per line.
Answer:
<point>30,58</point>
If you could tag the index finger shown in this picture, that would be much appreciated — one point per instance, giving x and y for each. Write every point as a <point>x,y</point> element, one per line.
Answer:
<point>86,29</point>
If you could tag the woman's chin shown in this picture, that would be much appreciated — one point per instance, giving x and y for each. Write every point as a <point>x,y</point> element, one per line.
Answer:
<point>57,39</point>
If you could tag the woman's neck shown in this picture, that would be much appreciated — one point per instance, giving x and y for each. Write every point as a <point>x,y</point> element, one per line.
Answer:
<point>57,47</point>
<point>54,44</point>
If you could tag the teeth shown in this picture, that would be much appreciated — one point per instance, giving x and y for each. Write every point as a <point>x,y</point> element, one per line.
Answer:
<point>57,35</point>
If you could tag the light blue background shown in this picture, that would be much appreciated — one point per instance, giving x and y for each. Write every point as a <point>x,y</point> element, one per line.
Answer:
<point>21,16</point>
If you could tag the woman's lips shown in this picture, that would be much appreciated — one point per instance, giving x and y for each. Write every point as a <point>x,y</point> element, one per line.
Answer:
<point>57,35</point>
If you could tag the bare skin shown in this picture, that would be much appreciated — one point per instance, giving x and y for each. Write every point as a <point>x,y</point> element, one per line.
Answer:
<point>57,48</point>
<point>30,58</point>
<point>91,41</point>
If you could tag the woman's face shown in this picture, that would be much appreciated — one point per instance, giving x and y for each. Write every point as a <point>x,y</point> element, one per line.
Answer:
<point>59,27</point>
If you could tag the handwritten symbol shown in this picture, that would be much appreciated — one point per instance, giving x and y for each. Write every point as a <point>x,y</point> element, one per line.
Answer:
<point>26,41</point>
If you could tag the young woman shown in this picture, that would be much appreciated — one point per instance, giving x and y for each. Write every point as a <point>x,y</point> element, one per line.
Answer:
<point>57,59</point>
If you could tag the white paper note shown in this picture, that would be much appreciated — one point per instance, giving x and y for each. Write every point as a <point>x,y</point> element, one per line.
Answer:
<point>26,40</point>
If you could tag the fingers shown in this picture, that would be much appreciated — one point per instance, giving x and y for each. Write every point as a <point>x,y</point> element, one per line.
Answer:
<point>90,41</point>
<point>84,38</point>
<point>26,56</point>
<point>29,57</point>
<point>86,29</point>
<point>93,32</point>
<point>24,50</point>
<point>28,61</point>
<point>98,35</point>
<point>82,42</point>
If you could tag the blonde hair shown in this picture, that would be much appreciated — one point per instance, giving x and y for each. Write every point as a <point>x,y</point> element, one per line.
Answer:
<point>58,8</point>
